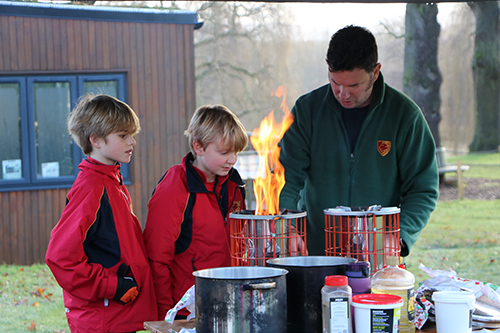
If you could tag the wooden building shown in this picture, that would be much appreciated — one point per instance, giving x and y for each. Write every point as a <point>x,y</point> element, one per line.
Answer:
<point>52,54</point>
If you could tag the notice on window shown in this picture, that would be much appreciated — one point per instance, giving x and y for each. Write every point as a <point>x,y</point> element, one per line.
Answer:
<point>11,169</point>
<point>50,169</point>
<point>248,166</point>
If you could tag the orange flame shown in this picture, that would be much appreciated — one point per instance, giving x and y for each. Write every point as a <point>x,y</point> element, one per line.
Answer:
<point>271,174</point>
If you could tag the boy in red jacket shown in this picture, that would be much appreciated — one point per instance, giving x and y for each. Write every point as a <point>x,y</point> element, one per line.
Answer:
<point>96,251</point>
<point>187,227</point>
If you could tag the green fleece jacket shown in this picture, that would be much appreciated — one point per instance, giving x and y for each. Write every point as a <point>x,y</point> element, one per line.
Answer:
<point>393,164</point>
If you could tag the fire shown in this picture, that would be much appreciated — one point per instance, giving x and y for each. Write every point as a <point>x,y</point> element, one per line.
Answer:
<point>271,174</point>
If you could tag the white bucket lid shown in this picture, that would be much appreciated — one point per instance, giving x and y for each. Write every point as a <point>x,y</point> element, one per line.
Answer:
<point>377,301</point>
<point>450,296</point>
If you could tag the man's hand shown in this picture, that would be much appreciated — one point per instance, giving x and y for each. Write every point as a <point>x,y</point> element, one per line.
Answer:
<point>297,245</point>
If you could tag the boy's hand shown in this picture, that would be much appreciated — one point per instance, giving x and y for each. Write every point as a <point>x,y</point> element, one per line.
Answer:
<point>127,289</point>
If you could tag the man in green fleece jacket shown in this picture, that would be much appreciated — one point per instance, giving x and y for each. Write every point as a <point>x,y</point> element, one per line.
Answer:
<point>358,142</point>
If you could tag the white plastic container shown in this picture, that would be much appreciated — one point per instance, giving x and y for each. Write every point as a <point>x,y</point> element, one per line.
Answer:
<point>397,281</point>
<point>376,313</point>
<point>454,311</point>
<point>336,300</point>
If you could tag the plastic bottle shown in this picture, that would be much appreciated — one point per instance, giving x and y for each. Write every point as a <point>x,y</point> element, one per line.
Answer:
<point>358,276</point>
<point>336,300</point>
<point>397,281</point>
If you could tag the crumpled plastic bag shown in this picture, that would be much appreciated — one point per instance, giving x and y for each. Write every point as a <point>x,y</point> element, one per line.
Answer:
<point>187,301</point>
<point>442,280</point>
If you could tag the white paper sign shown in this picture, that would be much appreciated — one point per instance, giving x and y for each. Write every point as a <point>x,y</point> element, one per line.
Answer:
<point>11,169</point>
<point>50,169</point>
<point>247,165</point>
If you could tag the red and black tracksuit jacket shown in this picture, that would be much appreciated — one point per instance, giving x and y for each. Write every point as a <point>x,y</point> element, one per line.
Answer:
<point>187,228</point>
<point>97,232</point>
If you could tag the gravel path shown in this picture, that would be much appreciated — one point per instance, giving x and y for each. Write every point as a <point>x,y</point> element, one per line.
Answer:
<point>474,188</point>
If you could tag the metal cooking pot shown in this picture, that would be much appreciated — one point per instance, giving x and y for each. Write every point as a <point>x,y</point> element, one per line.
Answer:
<point>241,299</point>
<point>305,279</point>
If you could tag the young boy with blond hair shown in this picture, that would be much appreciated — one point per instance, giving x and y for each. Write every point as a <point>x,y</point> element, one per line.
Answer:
<point>96,251</point>
<point>187,227</point>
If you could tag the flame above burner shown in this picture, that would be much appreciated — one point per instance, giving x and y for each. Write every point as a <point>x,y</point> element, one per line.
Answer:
<point>271,174</point>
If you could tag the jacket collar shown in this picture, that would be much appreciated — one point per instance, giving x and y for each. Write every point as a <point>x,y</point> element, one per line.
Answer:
<point>377,97</point>
<point>111,171</point>
<point>196,179</point>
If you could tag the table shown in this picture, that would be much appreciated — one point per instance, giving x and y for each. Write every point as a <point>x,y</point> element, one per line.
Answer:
<point>164,327</point>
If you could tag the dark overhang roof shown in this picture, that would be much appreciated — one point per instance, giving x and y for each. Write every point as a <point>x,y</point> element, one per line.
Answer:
<point>99,13</point>
<point>358,1</point>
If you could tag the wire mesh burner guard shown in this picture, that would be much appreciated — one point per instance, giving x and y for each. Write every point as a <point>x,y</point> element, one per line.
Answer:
<point>364,233</point>
<point>257,238</point>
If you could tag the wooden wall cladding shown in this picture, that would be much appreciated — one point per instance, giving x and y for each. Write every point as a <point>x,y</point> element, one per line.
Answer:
<point>158,59</point>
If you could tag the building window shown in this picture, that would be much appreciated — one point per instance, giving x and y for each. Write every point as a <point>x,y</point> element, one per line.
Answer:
<point>37,151</point>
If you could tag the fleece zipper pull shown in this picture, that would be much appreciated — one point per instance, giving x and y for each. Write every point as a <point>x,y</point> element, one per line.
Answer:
<point>351,172</point>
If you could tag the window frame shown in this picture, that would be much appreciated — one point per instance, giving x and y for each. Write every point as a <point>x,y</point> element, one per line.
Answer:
<point>30,180</point>
<point>23,114</point>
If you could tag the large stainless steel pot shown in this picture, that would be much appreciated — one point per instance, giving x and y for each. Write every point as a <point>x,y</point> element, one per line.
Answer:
<point>241,299</point>
<point>305,279</point>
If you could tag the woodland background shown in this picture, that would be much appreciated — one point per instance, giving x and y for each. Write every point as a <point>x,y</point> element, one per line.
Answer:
<point>246,50</point>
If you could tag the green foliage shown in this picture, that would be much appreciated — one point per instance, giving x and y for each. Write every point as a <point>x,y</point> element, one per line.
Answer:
<point>480,55</point>
<point>462,236</point>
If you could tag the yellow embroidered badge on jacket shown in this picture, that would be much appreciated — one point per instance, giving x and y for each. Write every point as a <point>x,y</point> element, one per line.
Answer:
<point>236,207</point>
<point>383,147</point>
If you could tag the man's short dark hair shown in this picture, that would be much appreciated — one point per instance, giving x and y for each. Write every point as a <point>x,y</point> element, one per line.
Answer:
<point>350,48</point>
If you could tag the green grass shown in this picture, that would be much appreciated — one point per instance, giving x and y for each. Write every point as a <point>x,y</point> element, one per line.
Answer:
<point>30,294</point>
<point>463,236</point>
<point>481,165</point>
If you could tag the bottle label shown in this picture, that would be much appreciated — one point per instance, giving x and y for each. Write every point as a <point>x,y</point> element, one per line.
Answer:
<point>339,315</point>
<point>385,320</point>
<point>411,305</point>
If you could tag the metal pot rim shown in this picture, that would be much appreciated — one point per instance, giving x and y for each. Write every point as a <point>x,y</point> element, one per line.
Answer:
<point>240,273</point>
<point>310,261</point>
<point>250,215</point>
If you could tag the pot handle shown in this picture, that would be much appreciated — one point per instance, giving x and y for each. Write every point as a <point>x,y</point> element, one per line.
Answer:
<point>259,286</point>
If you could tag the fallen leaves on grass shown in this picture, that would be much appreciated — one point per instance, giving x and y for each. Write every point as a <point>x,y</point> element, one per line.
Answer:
<point>40,293</point>
<point>22,301</point>
<point>32,327</point>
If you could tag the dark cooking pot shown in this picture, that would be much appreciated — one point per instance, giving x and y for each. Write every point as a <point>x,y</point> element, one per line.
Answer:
<point>305,279</point>
<point>241,299</point>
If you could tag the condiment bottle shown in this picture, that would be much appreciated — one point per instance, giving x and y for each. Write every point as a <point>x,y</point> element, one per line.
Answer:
<point>336,300</point>
<point>358,276</point>
<point>397,281</point>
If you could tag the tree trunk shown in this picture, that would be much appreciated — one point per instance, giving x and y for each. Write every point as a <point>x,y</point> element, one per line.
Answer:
<point>486,70</point>
<point>422,78</point>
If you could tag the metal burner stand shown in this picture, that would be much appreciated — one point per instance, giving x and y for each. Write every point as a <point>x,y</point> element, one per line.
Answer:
<point>364,233</point>
<point>257,238</point>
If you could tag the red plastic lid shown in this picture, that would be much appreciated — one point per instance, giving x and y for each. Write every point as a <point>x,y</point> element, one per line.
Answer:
<point>377,299</point>
<point>336,280</point>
